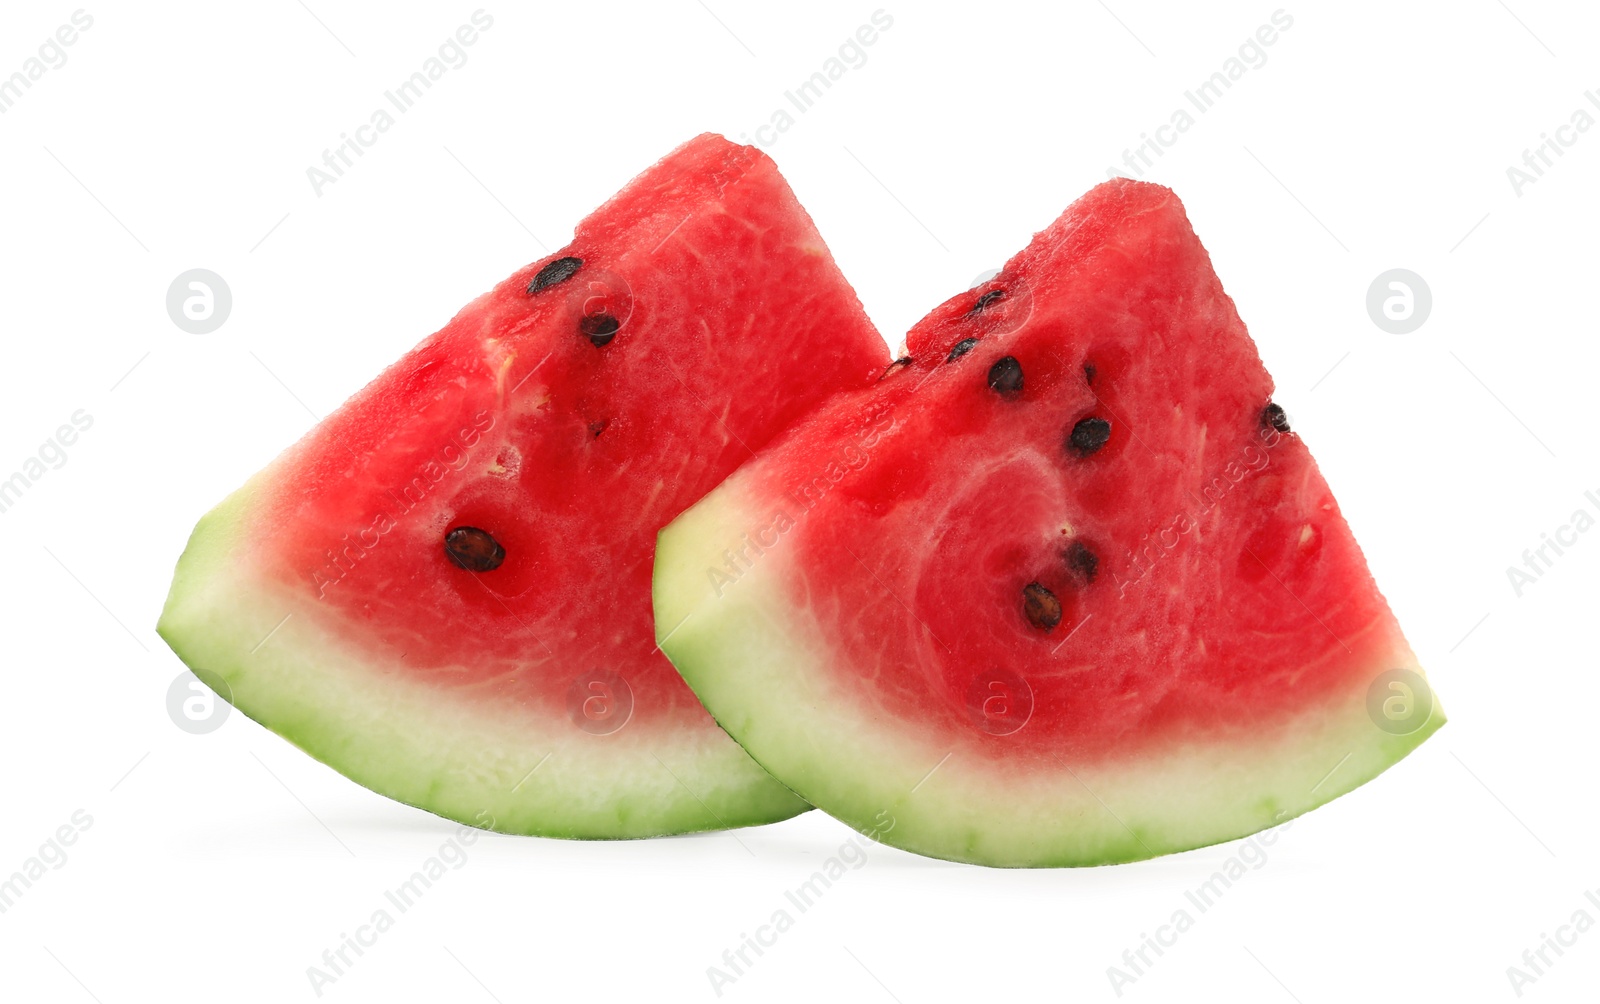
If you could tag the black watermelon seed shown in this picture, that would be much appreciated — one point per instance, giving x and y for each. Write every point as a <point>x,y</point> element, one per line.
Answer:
<point>473,549</point>
<point>1088,372</point>
<point>1040,606</point>
<point>1082,561</point>
<point>985,300</point>
<point>1005,376</point>
<point>1089,435</point>
<point>1275,417</point>
<point>595,428</point>
<point>599,328</point>
<point>960,349</point>
<point>559,270</point>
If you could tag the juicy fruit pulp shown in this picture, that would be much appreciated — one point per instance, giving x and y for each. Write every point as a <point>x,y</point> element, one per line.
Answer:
<point>443,590</point>
<point>1062,590</point>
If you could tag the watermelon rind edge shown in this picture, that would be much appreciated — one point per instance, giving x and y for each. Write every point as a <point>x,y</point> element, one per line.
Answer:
<point>755,658</point>
<point>288,668</point>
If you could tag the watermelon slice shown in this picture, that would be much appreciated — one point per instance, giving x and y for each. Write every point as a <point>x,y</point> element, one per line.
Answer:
<point>1062,588</point>
<point>443,590</point>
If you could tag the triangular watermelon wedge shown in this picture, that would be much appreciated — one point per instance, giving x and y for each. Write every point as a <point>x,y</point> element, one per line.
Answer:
<point>1062,588</point>
<point>443,590</point>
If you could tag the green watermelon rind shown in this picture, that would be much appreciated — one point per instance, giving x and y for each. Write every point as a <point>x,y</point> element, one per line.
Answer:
<point>425,746</point>
<point>759,666</point>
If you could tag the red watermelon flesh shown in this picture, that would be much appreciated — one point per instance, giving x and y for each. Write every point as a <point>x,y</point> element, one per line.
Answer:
<point>1062,589</point>
<point>443,590</point>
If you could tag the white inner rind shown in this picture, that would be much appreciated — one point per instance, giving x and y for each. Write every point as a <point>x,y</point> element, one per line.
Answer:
<point>759,663</point>
<point>503,766</point>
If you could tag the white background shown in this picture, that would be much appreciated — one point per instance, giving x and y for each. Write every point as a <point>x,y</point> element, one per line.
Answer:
<point>1375,136</point>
